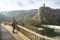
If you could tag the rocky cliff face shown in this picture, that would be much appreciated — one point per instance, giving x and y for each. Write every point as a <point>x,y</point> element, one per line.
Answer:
<point>49,15</point>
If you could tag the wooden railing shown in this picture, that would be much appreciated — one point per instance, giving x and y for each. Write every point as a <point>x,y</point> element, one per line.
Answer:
<point>32,35</point>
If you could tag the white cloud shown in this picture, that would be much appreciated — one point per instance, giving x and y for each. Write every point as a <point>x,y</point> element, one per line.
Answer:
<point>7,5</point>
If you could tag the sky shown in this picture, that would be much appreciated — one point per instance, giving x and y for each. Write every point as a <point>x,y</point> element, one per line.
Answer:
<point>9,5</point>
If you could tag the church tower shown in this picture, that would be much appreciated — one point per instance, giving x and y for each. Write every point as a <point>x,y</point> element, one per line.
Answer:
<point>44,5</point>
<point>39,12</point>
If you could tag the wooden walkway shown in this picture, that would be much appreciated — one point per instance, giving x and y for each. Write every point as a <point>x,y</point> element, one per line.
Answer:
<point>6,33</point>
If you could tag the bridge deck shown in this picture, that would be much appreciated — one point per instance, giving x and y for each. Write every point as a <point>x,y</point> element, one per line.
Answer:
<point>6,34</point>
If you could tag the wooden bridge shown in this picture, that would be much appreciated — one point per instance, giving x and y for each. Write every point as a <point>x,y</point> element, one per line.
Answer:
<point>23,34</point>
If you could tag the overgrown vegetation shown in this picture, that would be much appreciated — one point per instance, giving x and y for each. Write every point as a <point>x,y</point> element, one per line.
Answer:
<point>26,21</point>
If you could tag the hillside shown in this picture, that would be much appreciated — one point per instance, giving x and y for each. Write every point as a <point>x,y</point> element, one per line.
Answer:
<point>49,15</point>
<point>3,17</point>
<point>21,13</point>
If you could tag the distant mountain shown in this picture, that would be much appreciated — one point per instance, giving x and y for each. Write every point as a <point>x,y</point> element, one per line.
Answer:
<point>2,17</point>
<point>21,13</point>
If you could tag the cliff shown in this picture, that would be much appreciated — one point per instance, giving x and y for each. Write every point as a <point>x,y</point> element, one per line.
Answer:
<point>49,15</point>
